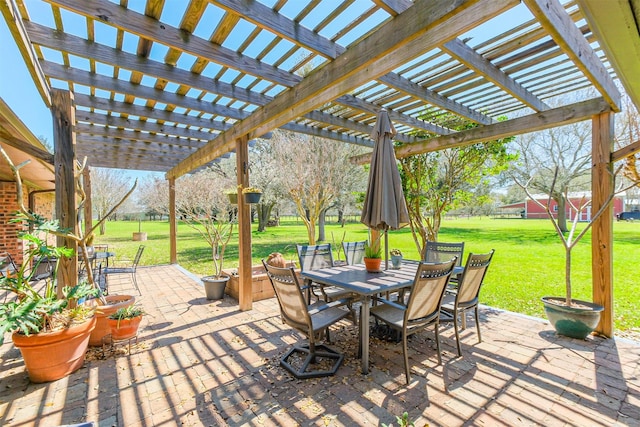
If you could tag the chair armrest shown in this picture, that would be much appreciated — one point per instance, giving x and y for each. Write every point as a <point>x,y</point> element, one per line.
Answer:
<point>322,307</point>
<point>391,303</point>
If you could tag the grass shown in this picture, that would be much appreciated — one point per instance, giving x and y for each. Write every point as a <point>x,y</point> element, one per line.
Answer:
<point>528,264</point>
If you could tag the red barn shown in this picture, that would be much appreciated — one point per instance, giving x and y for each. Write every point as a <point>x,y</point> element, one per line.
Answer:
<point>530,210</point>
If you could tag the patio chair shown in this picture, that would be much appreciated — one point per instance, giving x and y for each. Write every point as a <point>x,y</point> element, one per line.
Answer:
<point>354,251</point>
<point>467,296</point>
<point>422,309</point>
<point>131,269</point>
<point>314,257</point>
<point>311,320</point>
<point>444,251</point>
<point>7,265</point>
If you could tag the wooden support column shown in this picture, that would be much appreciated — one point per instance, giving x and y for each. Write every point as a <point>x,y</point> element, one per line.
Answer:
<point>88,209</point>
<point>244,226</point>
<point>64,140</point>
<point>173,248</point>
<point>602,185</point>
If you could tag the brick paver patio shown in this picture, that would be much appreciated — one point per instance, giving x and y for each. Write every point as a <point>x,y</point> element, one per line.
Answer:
<point>204,363</point>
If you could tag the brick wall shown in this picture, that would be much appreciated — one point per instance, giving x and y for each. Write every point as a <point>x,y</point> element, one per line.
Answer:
<point>9,241</point>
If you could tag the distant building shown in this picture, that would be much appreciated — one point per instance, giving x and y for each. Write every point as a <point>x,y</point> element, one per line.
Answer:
<point>530,210</point>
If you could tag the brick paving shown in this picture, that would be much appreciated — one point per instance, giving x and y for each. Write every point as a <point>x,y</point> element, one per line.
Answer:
<point>204,363</point>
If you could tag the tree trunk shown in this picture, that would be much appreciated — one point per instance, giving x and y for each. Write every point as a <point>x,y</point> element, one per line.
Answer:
<point>264,213</point>
<point>321,222</point>
<point>562,213</point>
<point>103,227</point>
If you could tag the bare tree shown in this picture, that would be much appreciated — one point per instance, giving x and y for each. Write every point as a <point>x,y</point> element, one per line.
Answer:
<point>107,188</point>
<point>566,149</point>
<point>314,172</point>
<point>203,206</point>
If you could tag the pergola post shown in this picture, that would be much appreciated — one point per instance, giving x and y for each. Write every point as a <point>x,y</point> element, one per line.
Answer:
<point>602,186</point>
<point>173,249</point>
<point>64,139</point>
<point>245,297</point>
<point>88,208</point>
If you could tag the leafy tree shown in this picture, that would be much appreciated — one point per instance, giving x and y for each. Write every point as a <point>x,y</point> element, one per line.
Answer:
<point>437,182</point>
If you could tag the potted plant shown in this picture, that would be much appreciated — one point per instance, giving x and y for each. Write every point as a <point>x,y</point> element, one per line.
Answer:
<point>210,215</point>
<point>233,196</point>
<point>571,317</point>
<point>372,256</point>
<point>125,321</point>
<point>252,195</point>
<point>52,332</point>
<point>396,258</point>
<point>50,326</point>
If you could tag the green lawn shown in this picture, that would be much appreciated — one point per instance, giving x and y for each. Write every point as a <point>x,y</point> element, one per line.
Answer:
<point>528,264</point>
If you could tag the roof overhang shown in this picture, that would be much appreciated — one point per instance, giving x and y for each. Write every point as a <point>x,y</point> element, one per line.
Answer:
<point>23,146</point>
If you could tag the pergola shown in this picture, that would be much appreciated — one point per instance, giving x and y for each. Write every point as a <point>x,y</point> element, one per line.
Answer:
<point>173,86</point>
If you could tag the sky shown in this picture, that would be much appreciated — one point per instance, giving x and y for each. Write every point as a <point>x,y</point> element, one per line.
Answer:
<point>19,92</point>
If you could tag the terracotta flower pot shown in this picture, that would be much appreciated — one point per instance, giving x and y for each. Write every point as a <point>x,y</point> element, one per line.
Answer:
<point>372,264</point>
<point>124,328</point>
<point>102,329</point>
<point>53,355</point>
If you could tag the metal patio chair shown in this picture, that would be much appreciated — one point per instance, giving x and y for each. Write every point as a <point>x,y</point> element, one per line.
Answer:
<point>354,251</point>
<point>131,269</point>
<point>311,320</point>
<point>422,309</point>
<point>466,297</point>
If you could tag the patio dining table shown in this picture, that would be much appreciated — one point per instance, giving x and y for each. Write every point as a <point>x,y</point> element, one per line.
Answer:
<point>355,278</point>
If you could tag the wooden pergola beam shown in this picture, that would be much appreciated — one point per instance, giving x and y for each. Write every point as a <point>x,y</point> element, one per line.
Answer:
<point>561,28</point>
<point>474,60</point>
<point>147,27</point>
<point>551,118</point>
<point>625,151</point>
<point>398,41</point>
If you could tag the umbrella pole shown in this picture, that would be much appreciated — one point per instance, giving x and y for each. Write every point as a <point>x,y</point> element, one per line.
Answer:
<point>386,249</point>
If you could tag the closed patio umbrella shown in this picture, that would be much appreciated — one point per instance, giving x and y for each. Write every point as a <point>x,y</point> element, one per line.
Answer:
<point>384,204</point>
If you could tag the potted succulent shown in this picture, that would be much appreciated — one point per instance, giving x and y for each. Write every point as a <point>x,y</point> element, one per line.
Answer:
<point>396,258</point>
<point>125,321</point>
<point>569,316</point>
<point>372,256</point>
<point>252,195</point>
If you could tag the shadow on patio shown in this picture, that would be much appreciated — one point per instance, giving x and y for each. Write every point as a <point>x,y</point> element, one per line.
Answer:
<point>200,362</point>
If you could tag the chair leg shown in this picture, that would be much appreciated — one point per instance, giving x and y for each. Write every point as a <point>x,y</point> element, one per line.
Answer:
<point>455,328</point>
<point>478,324</point>
<point>135,283</point>
<point>405,351</point>
<point>438,343</point>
